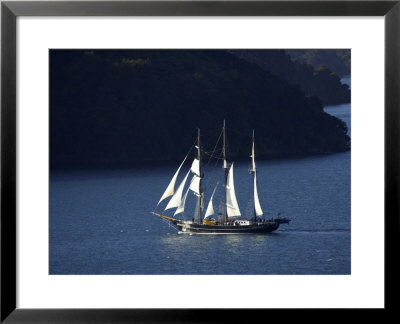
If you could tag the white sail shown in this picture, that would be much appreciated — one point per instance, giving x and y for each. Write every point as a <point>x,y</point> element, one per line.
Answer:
<point>177,197</point>
<point>232,207</point>
<point>195,167</point>
<point>195,185</point>
<point>253,163</point>
<point>257,206</point>
<point>181,206</point>
<point>171,187</point>
<point>210,207</point>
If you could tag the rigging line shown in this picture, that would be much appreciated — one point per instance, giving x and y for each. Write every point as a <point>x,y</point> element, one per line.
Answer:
<point>219,150</point>
<point>220,157</point>
<point>213,156</point>
<point>220,134</point>
<point>192,146</point>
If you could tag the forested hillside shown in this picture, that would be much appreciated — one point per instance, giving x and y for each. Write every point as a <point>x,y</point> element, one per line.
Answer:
<point>117,107</point>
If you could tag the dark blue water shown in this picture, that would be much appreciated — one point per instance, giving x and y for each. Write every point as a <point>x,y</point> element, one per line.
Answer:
<point>101,221</point>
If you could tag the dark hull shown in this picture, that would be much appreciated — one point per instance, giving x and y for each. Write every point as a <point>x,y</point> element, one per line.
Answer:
<point>255,228</point>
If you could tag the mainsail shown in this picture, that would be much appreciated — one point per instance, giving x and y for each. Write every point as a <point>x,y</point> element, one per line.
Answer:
<point>171,187</point>
<point>232,207</point>
<point>210,208</point>
<point>177,197</point>
<point>257,206</point>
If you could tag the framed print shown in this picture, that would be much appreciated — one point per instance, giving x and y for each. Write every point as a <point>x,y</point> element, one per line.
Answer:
<point>122,124</point>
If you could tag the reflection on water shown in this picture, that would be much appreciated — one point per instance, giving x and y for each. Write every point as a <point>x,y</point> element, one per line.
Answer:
<point>210,241</point>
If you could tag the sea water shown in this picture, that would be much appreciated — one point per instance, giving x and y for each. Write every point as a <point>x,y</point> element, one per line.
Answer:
<point>101,220</point>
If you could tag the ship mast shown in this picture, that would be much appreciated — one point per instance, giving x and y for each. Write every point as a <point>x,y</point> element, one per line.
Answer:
<point>201,196</point>
<point>226,170</point>
<point>253,172</point>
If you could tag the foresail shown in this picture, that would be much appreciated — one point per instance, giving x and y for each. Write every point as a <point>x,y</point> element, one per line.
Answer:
<point>257,206</point>
<point>181,207</point>
<point>177,197</point>
<point>210,207</point>
<point>232,207</point>
<point>171,187</point>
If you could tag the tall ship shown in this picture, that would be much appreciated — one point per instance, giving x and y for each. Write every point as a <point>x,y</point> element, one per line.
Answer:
<point>229,219</point>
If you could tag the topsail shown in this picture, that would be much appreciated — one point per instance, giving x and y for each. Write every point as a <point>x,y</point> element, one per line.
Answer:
<point>196,167</point>
<point>253,163</point>
<point>195,185</point>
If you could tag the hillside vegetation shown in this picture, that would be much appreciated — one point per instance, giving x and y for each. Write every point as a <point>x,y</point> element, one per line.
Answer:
<point>118,107</point>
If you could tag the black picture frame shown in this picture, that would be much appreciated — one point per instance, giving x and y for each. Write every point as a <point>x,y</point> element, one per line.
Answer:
<point>10,10</point>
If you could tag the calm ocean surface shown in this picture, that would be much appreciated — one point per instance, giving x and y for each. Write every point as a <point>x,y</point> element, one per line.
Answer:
<point>101,221</point>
